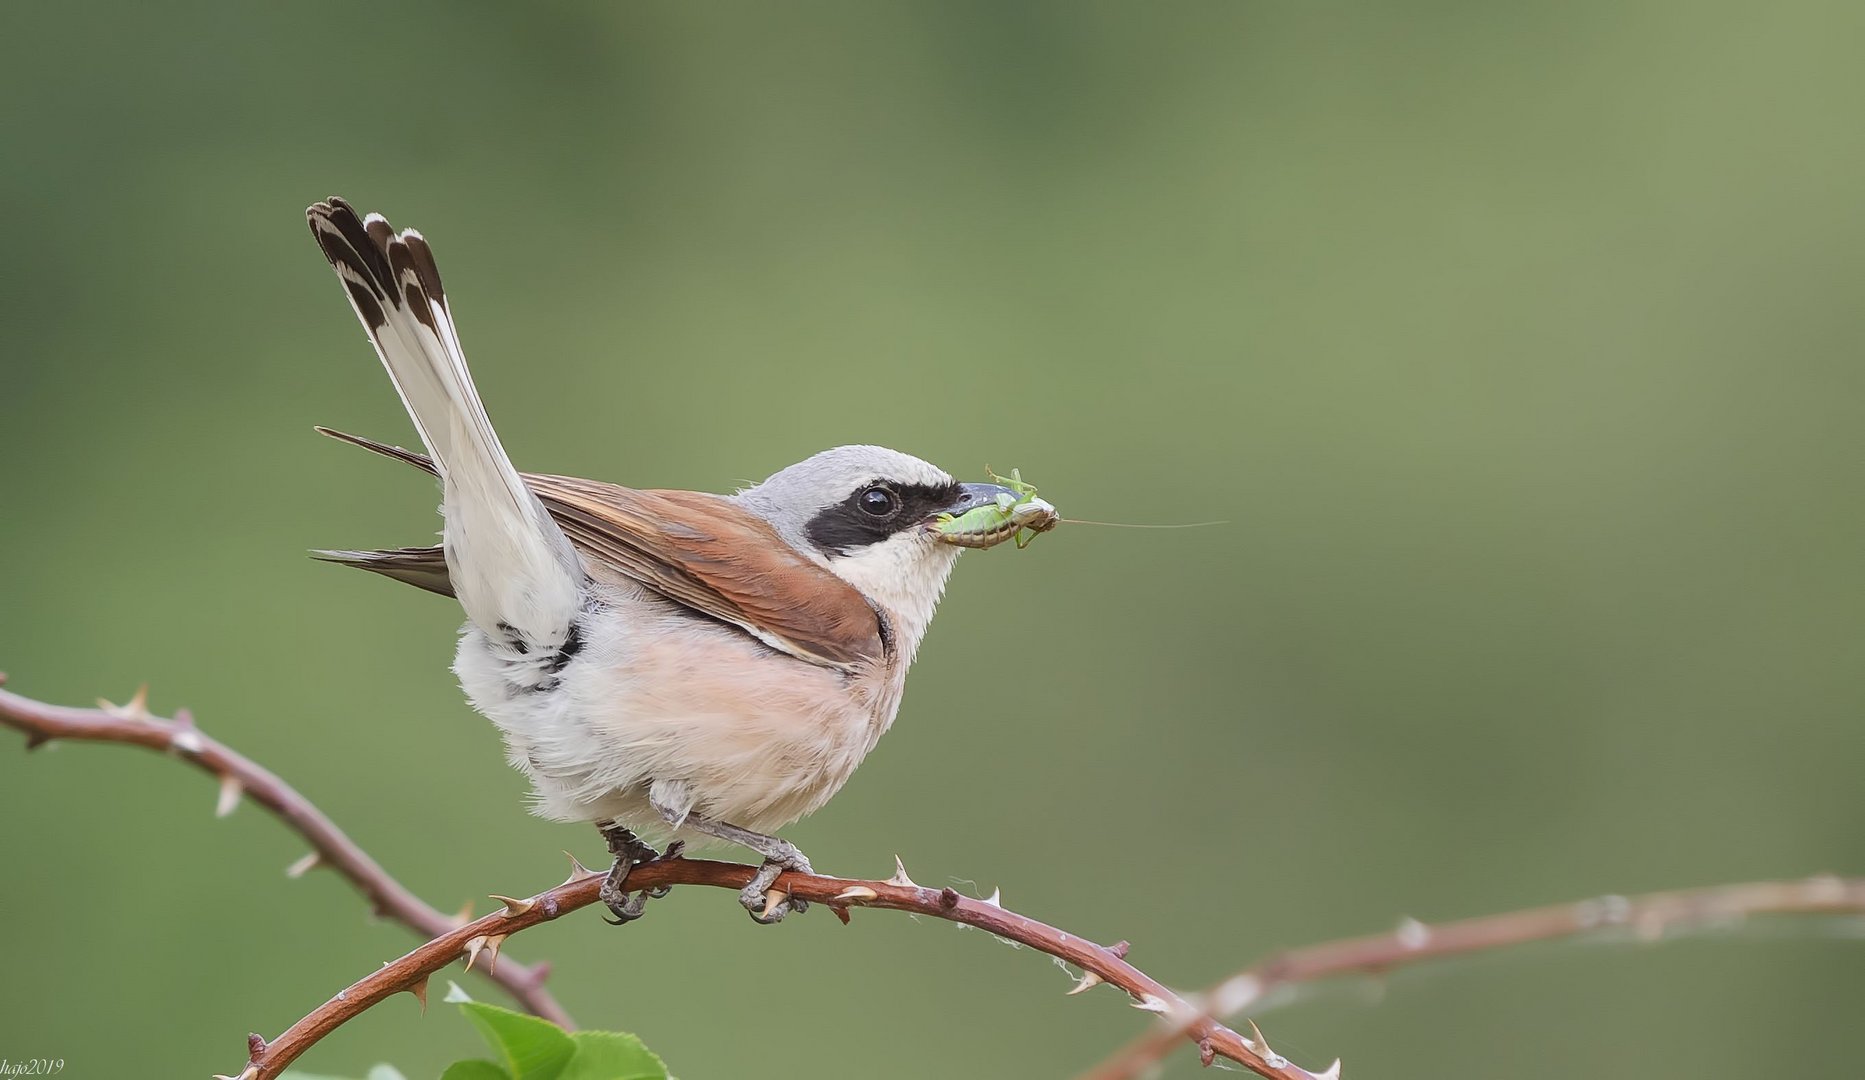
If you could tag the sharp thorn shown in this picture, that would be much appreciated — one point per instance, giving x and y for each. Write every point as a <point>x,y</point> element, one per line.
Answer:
<point>1332,1072</point>
<point>900,875</point>
<point>136,708</point>
<point>514,906</point>
<point>1088,981</point>
<point>492,953</point>
<point>473,948</point>
<point>303,866</point>
<point>996,899</point>
<point>419,990</point>
<point>1261,1046</point>
<point>577,870</point>
<point>857,892</point>
<point>250,1072</point>
<point>35,740</point>
<point>771,900</point>
<point>840,913</point>
<point>1151,1003</point>
<point>229,795</point>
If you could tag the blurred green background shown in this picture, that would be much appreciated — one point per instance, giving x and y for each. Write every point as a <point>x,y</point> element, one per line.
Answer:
<point>1520,346</point>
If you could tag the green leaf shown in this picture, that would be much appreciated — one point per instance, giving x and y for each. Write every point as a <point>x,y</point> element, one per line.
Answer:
<point>529,1048</point>
<point>475,1070</point>
<point>612,1055</point>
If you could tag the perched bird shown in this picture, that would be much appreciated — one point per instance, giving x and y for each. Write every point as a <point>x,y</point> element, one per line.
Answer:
<point>675,662</point>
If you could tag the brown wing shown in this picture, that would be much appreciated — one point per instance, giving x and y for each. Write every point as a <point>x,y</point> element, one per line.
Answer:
<point>702,551</point>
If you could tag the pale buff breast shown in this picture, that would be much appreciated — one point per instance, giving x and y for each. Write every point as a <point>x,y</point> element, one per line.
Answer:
<point>751,737</point>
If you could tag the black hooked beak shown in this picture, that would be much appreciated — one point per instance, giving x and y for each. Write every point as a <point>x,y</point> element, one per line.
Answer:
<point>972,496</point>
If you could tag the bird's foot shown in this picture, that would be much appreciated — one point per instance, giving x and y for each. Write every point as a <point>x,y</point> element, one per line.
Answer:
<point>765,904</point>
<point>630,851</point>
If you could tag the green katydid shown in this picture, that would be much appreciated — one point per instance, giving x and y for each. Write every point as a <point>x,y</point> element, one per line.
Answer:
<point>1016,514</point>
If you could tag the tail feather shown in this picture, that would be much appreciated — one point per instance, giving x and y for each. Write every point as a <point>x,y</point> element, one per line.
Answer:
<point>510,563</point>
<point>423,567</point>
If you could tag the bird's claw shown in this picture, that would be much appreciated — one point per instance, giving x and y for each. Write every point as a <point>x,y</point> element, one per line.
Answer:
<point>630,852</point>
<point>766,904</point>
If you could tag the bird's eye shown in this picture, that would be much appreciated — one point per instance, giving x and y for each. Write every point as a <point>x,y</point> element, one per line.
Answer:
<point>879,502</point>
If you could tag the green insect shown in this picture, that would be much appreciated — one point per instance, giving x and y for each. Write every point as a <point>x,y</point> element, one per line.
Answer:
<point>1016,514</point>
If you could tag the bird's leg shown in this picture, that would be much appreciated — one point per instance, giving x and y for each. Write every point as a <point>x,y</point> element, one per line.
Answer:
<point>779,855</point>
<point>629,851</point>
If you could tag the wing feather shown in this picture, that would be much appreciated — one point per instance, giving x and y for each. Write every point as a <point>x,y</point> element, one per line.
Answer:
<point>702,551</point>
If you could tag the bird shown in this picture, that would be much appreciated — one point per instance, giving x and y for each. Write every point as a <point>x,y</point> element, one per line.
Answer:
<point>671,663</point>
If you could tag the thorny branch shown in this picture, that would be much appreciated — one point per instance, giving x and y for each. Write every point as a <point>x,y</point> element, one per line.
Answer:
<point>1646,918</point>
<point>484,937</point>
<point>132,724</point>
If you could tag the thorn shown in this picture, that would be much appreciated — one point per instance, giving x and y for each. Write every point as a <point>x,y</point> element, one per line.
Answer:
<point>513,906</point>
<point>857,892</point>
<point>229,795</point>
<point>996,899</point>
<point>473,948</point>
<point>187,740</point>
<point>35,740</point>
<point>1206,1052</point>
<point>1119,949</point>
<point>900,875</point>
<point>1270,1057</point>
<point>771,900</point>
<point>250,1072</point>
<point>462,916</point>
<point>1332,1072</point>
<point>948,897</point>
<point>492,953</point>
<point>1412,935</point>
<point>577,870</point>
<point>137,708</point>
<point>303,866</point>
<point>419,990</point>
<point>255,1045</point>
<point>840,913</point>
<point>1151,1003</point>
<point>1088,981</point>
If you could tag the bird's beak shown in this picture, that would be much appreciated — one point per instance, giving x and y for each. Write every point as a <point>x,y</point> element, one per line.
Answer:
<point>972,496</point>
<point>985,515</point>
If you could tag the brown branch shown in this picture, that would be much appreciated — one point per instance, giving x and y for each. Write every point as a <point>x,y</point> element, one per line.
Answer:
<point>1648,918</point>
<point>133,725</point>
<point>483,937</point>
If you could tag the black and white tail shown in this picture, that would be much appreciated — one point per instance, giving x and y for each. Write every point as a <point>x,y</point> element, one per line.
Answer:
<point>511,567</point>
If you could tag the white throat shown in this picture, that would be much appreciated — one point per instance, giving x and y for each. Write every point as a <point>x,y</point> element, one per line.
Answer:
<point>904,575</point>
